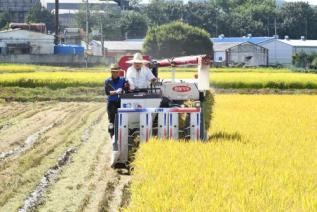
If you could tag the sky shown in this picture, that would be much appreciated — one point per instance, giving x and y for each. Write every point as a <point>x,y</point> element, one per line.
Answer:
<point>313,2</point>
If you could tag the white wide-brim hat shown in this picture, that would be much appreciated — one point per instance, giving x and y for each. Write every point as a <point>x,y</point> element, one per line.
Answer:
<point>114,67</point>
<point>137,58</point>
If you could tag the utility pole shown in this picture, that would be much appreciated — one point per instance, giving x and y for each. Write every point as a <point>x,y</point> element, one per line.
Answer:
<point>268,26</point>
<point>275,27</point>
<point>101,38</point>
<point>216,26</point>
<point>306,27</point>
<point>275,14</point>
<point>87,32</point>
<point>56,22</point>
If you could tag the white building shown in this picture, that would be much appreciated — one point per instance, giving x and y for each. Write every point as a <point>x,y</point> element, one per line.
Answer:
<point>220,51</point>
<point>19,41</point>
<point>116,49</point>
<point>240,53</point>
<point>281,51</point>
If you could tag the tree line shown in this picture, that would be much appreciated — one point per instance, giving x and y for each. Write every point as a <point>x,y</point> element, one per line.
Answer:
<point>232,18</point>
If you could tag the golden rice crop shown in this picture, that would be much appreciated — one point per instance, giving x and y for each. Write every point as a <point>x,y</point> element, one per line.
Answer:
<point>231,69</point>
<point>53,79</point>
<point>261,157</point>
<point>25,68</point>
<point>17,68</point>
<point>256,79</point>
<point>218,79</point>
<point>32,68</point>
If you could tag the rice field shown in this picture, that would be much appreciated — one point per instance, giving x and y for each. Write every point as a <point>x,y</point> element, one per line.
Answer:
<point>230,80</point>
<point>31,76</point>
<point>23,68</point>
<point>55,156</point>
<point>261,157</point>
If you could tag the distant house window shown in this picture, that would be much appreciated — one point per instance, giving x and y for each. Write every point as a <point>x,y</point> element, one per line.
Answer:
<point>220,58</point>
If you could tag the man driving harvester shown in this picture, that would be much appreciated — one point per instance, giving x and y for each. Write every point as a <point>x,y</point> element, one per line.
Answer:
<point>138,75</point>
<point>114,87</point>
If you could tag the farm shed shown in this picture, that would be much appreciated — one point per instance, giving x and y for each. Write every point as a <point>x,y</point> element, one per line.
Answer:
<point>282,50</point>
<point>240,53</point>
<point>18,41</point>
<point>247,54</point>
<point>220,51</point>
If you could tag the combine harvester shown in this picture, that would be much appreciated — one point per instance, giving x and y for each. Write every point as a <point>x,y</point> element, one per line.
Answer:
<point>170,109</point>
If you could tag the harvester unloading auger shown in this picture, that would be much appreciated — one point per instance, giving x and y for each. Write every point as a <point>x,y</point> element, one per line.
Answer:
<point>170,109</point>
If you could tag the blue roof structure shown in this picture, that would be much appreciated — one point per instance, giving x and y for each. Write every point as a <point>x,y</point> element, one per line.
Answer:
<point>255,40</point>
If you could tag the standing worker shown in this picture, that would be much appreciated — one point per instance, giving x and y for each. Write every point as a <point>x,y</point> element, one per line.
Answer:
<point>114,86</point>
<point>138,75</point>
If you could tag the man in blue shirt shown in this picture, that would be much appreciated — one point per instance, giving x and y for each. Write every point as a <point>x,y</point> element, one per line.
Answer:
<point>113,87</point>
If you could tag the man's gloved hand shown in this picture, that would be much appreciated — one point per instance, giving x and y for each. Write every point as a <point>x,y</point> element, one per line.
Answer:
<point>119,91</point>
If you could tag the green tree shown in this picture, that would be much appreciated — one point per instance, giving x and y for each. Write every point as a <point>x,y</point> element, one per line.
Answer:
<point>161,12</point>
<point>39,14</point>
<point>177,39</point>
<point>135,5</point>
<point>134,24</point>
<point>227,5</point>
<point>253,17</point>
<point>297,19</point>
<point>108,20</point>
<point>80,18</point>
<point>4,19</point>
<point>111,24</point>
<point>229,17</point>
<point>313,29</point>
<point>203,15</point>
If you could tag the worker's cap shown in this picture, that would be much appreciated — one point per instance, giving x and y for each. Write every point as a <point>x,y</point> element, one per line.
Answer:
<point>114,67</point>
<point>138,58</point>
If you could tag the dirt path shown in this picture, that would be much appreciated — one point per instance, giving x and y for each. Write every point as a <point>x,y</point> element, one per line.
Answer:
<point>36,179</point>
